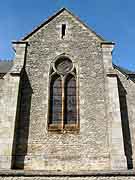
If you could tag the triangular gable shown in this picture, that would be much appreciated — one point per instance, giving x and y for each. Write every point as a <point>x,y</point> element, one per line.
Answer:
<point>55,15</point>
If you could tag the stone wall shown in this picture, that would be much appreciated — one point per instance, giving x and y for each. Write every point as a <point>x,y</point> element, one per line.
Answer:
<point>127,96</point>
<point>9,94</point>
<point>88,149</point>
<point>106,108</point>
<point>8,103</point>
<point>69,178</point>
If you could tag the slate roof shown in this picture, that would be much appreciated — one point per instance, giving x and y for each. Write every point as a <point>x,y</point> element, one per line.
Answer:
<point>5,66</point>
<point>129,74</point>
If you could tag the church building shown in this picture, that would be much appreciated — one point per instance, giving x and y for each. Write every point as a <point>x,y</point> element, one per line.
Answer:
<point>66,111</point>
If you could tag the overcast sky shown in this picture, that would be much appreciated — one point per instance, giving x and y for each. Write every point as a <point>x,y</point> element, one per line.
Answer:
<point>112,19</point>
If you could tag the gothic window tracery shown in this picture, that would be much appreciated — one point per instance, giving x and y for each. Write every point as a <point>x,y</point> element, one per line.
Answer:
<point>63,96</point>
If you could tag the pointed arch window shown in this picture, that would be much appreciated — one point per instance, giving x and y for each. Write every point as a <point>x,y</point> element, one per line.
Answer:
<point>70,100</point>
<point>63,96</point>
<point>55,99</point>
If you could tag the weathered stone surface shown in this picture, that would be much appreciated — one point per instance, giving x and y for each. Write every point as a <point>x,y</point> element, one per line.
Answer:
<point>68,178</point>
<point>69,150</point>
<point>127,96</point>
<point>84,175</point>
<point>25,140</point>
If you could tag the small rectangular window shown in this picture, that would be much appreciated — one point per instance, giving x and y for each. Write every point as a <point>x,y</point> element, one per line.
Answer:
<point>63,30</point>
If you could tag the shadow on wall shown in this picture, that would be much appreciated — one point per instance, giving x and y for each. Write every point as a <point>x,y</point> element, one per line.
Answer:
<point>125,125</point>
<point>21,131</point>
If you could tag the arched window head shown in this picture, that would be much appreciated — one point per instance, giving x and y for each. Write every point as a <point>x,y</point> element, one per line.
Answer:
<point>63,96</point>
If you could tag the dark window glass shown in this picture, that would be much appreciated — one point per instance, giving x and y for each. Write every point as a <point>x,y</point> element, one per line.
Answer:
<point>63,65</point>
<point>63,110</point>
<point>55,100</point>
<point>70,115</point>
<point>63,30</point>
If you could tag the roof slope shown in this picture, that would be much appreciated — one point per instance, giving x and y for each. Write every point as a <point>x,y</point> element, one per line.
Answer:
<point>129,74</point>
<point>124,70</point>
<point>55,15</point>
<point>5,66</point>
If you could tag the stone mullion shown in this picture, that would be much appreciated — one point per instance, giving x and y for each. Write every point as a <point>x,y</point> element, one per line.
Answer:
<point>77,103</point>
<point>63,103</point>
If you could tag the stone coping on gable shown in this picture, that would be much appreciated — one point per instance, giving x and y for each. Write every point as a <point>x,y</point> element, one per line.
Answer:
<point>41,173</point>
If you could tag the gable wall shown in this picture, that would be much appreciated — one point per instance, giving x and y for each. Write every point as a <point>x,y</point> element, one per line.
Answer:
<point>87,149</point>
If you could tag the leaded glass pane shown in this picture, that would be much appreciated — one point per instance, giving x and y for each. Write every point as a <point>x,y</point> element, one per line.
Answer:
<point>63,65</point>
<point>70,116</point>
<point>55,100</point>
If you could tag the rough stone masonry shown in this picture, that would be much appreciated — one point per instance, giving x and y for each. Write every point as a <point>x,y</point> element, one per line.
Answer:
<point>101,139</point>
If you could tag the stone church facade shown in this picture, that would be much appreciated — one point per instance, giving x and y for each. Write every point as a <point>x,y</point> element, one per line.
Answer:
<point>67,112</point>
